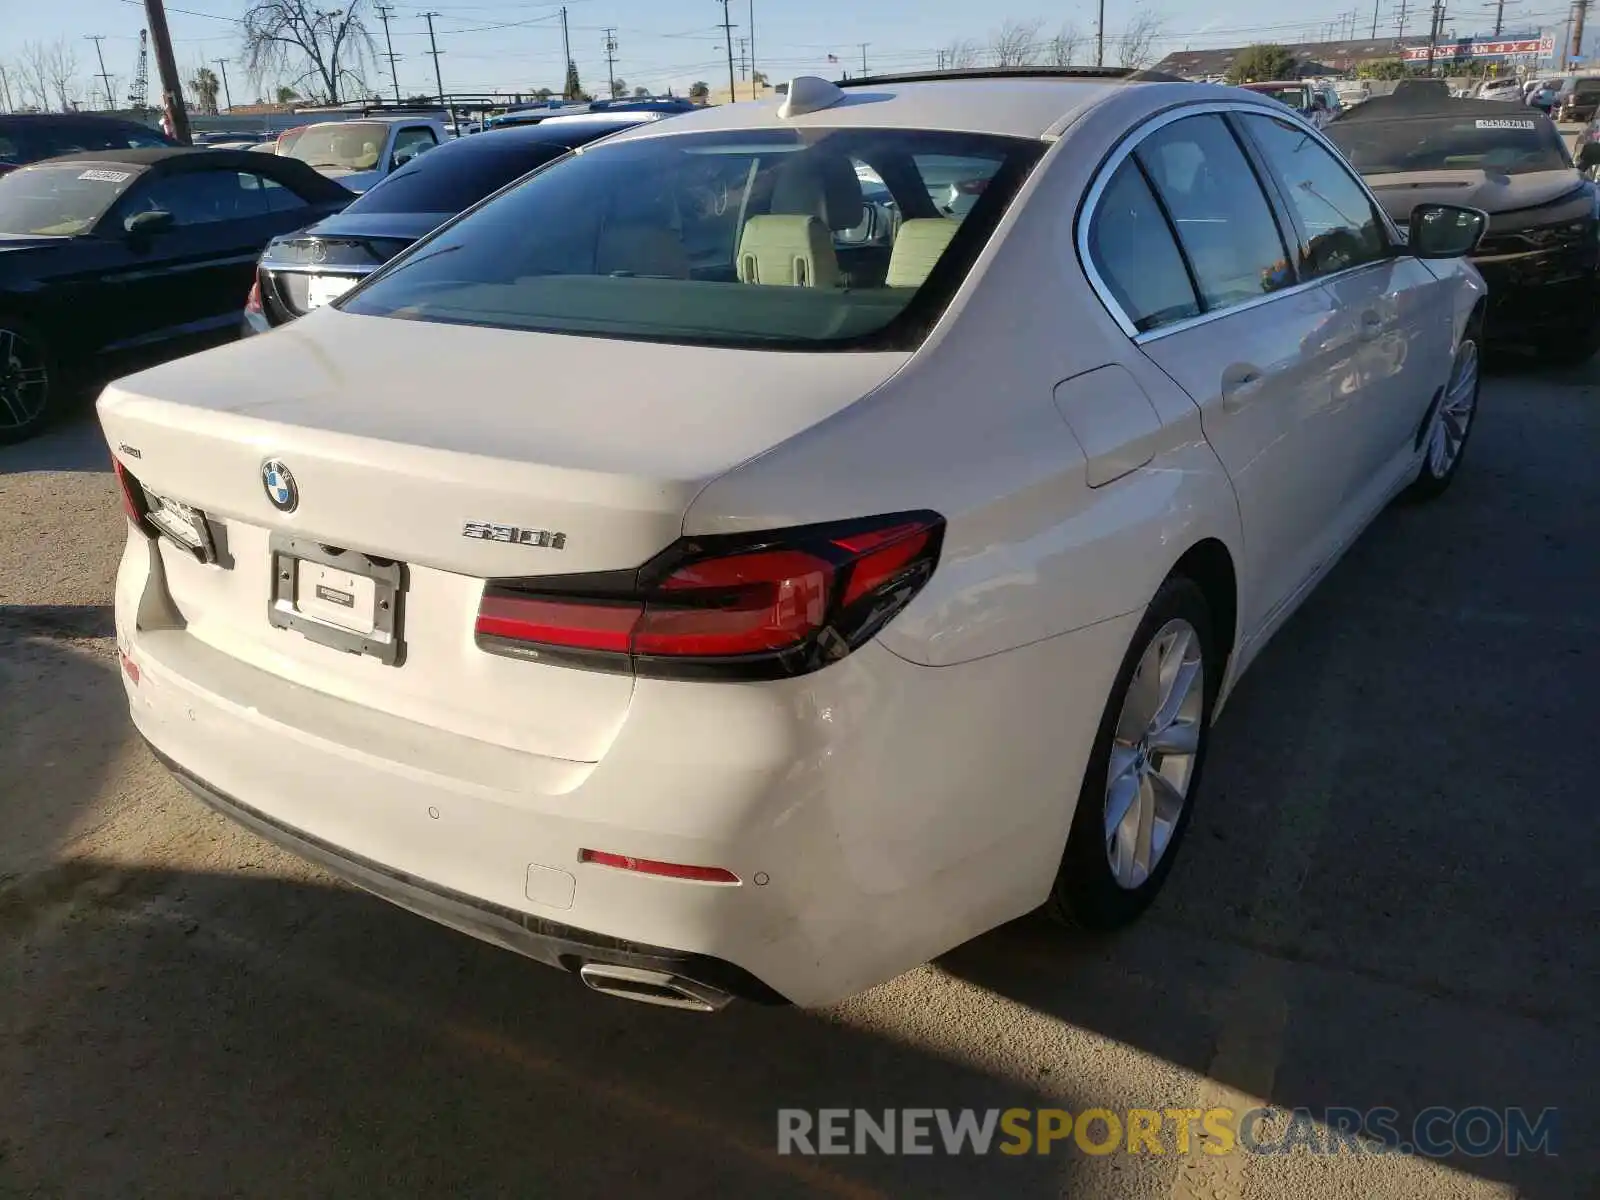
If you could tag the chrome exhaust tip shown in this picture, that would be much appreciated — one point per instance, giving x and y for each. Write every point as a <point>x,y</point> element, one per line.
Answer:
<point>653,987</point>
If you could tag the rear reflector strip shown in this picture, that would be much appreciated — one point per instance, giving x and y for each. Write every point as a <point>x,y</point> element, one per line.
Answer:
<point>649,866</point>
<point>129,667</point>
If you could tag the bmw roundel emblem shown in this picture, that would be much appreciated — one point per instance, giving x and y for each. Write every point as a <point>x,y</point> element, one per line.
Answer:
<point>280,485</point>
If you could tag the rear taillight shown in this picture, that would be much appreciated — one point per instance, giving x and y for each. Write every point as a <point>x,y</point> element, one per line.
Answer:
<point>134,503</point>
<point>761,606</point>
<point>252,302</point>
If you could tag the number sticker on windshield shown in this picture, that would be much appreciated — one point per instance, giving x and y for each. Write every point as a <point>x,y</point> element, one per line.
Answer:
<point>1507,123</point>
<point>108,176</point>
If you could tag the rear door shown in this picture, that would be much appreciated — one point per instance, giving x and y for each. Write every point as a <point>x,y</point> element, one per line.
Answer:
<point>1236,329</point>
<point>1388,345</point>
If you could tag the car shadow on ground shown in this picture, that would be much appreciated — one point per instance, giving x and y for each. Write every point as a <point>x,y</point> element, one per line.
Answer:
<point>1389,896</point>
<point>76,444</point>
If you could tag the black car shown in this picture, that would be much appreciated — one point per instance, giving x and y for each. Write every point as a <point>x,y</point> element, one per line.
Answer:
<point>1578,99</point>
<point>108,257</point>
<point>30,137</point>
<point>317,264</point>
<point>1541,254</point>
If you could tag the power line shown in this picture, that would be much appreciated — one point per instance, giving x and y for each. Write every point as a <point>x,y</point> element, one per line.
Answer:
<point>104,75</point>
<point>384,13</point>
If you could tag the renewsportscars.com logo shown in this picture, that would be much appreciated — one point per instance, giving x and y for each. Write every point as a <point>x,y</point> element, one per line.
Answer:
<point>1477,1131</point>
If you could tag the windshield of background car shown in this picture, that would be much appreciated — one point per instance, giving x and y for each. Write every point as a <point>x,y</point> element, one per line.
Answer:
<point>1509,145</point>
<point>345,146</point>
<point>60,200</point>
<point>729,238</point>
<point>450,181</point>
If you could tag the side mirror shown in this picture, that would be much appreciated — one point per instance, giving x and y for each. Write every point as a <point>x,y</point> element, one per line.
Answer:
<point>142,224</point>
<point>1589,155</point>
<point>1445,231</point>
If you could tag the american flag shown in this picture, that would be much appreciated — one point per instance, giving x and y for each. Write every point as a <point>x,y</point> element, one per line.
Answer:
<point>833,58</point>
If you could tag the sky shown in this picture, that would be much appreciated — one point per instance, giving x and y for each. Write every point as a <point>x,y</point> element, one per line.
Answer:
<point>496,45</point>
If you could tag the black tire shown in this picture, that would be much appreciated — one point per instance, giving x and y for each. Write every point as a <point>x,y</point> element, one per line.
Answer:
<point>1086,893</point>
<point>25,408</point>
<point>1432,481</point>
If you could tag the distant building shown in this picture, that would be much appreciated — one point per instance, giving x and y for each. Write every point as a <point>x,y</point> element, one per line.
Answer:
<point>1311,58</point>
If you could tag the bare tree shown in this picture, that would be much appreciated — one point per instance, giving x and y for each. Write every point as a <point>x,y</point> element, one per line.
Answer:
<point>315,49</point>
<point>1015,44</point>
<point>7,104</point>
<point>47,75</point>
<point>1136,47</point>
<point>1062,49</point>
<point>960,55</point>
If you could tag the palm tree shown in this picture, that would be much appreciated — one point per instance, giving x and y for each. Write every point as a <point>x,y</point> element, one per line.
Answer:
<point>700,91</point>
<point>205,85</point>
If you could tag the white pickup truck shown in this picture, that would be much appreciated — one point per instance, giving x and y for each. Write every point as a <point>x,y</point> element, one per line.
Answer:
<point>358,153</point>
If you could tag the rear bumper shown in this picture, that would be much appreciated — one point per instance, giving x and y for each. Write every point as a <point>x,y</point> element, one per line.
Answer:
<point>876,813</point>
<point>546,941</point>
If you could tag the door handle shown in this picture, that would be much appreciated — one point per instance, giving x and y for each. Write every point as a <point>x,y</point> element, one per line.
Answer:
<point>1240,381</point>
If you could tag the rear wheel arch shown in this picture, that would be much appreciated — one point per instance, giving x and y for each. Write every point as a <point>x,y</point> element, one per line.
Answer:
<point>1208,564</point>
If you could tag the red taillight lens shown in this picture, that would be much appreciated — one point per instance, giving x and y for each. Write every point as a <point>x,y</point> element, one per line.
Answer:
<point>133,501</point>
<point>252,302</point>
<point>769,605</point>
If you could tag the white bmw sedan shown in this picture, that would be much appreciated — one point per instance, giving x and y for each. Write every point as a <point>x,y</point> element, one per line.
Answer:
<point>683,574</point>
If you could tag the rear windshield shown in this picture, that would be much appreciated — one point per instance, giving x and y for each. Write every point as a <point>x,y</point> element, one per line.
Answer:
<point>60,201</point>
<point>1292,94</point>
<point>1509,145</point>
<point>806,239</point>
<point>447,180</point>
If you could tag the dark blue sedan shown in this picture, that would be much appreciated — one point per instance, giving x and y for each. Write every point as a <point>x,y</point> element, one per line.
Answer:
<point>306,270</point>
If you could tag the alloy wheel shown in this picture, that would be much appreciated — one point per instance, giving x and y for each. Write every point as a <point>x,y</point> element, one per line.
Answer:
<point>1457,407</point>
<point>1153,752</point>
<point>24,380</point>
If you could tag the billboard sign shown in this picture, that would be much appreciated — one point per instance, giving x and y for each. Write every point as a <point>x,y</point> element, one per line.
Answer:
<point>1467,48</point>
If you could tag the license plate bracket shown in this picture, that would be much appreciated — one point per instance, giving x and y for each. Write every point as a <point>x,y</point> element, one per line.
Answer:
<point>309,578</point>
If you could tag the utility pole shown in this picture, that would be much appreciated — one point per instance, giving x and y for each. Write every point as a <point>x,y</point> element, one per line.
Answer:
<point>1374,20</point>
<point>743,72</point>
<point>1579,11</point>
<point>384,13</point>
<point>139,92</point>
<point>171,85</point>
<point>227,93</point>
<point>611,61</point>
<point>727,33</point>
<point>864,71</point>
<point>566,54</point>
<point>1100,37</point>
<point>1499,16</point>
<point>755,87</point>
<point>433,49</point>
<point>1401,23</point>
<point>1433,32</point>
<point>104,76</point>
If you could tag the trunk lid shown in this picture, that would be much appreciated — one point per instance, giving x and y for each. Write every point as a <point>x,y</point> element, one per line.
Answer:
<point>400,435</point>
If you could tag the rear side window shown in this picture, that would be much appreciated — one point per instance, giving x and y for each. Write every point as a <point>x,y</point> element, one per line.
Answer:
<point>728,238</point>
<point>1131,247</point>
<point>198,197</point>
<point>1221,215</point>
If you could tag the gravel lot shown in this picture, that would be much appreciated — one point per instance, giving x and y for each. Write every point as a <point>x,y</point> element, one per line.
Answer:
<point>1389,897</point>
